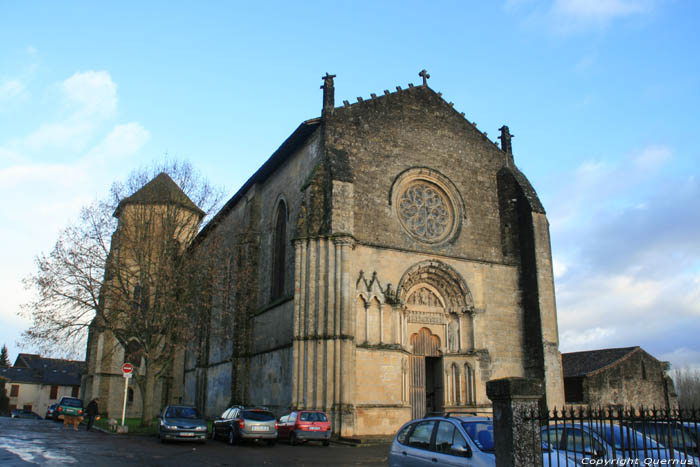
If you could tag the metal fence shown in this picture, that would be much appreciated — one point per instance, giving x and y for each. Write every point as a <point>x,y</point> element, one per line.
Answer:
<point>619,436</point>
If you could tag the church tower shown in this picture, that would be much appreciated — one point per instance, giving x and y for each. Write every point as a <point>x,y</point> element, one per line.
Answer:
<point>138,295</point>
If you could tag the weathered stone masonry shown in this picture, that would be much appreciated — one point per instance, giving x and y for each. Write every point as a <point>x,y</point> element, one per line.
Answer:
<point>418,268</point>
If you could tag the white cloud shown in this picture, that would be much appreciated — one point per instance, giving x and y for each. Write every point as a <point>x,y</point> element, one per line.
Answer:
<point>53,170</point>
<point>626,248</point>
<point>559,267</point>
<point>89,99</point>
<point>11,89</point>
<point>22,175</point>
<point>571,16</point>
<point>682,358</point>
<point>652,157</point>
<point>599,11</point>
<point>91,94</point>
<point>123,141</point>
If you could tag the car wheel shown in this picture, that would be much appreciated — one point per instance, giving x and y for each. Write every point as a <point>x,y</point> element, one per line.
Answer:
<point>271,442</point>
<point>293,439</point>
<point>326,442</point>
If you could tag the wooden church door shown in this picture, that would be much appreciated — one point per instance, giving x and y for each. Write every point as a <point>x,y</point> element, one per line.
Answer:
<point>425,373</point>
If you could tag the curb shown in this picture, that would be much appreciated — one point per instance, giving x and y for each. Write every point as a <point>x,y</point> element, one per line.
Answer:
<point>361,442</point>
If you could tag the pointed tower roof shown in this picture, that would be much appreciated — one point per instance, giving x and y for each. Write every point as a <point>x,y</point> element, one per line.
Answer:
<point>161,190</point>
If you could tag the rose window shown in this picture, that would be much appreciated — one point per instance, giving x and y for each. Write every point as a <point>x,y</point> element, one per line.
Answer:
<point>425,211</point>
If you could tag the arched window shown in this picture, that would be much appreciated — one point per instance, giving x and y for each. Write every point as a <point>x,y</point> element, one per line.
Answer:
<point>279,252</point>
<point>455,385</point>
<point>469,385</point>
<point>132,353</point>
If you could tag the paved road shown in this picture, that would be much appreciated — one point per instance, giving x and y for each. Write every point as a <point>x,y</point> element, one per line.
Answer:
<point>43,442</point>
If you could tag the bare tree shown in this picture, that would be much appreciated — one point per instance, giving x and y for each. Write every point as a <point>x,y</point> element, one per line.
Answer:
<point>123,269</point>
<point>687,382</point>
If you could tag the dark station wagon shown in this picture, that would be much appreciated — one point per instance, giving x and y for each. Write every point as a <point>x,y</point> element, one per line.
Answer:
<point>240,423</point>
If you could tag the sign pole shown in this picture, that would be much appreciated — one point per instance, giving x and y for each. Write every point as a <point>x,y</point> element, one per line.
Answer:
<point>126,390</point>
<point>127,371</point>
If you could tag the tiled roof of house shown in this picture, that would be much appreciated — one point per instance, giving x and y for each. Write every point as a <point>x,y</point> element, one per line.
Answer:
<point>576,364</point>
<point>31,368</point>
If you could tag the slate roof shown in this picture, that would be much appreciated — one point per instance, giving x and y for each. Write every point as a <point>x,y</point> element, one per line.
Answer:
<point>31,368</point>
<point>576,364</point>
<point>161,190</point>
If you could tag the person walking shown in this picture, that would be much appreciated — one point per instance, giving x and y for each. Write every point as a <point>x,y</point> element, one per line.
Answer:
<point>91,412</point>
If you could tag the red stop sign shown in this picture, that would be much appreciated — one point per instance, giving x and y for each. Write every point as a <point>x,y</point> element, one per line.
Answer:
<point>127,368</point>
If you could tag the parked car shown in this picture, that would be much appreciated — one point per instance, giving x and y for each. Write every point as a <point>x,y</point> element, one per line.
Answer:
<point>305,425</point>
<point>669,434</point>
<point>239,423</point>
<point>50,411</point>
<point>606,442</point>
<point>21,413</point>
<point>182,423</point>
<point>69,406</point>
<point>451,441</point>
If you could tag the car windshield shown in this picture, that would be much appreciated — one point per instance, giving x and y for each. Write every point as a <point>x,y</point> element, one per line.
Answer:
<point>70,402</point>
<point>258,415</point>
<point>182,412</point>
<point>625,438</point>
<point>313,417</point>
<point>481,433</point>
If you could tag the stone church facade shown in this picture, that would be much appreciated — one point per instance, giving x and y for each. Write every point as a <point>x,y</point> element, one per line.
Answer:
<point>385,262</point>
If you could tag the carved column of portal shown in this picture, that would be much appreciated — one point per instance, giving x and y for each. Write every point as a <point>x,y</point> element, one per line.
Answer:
<point>346,358</point>
<point>297,344</point>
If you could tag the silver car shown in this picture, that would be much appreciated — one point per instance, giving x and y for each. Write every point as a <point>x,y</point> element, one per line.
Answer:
<point>182,423</point>
<point>451,441</point>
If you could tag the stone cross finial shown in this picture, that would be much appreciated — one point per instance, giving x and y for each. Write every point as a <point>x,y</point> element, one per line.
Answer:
<point>506,145</point>
<point>328,93</point>
<point>505,140</point>
<point>424,74</point>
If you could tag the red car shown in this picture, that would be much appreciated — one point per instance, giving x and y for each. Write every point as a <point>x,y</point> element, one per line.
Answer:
<point>305,425</point>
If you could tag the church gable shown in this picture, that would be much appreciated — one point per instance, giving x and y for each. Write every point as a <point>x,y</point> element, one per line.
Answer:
<point>410,150</point>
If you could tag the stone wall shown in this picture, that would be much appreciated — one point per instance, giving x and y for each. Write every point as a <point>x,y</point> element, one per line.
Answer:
<point>638,379</point>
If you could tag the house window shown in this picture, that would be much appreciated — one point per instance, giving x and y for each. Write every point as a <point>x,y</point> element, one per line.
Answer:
<point>14,390</point>
<point>279,251</point>
<point>75,391</point>
<point>130,395</point>
<point>644,370</point>
<point>54,393</point>
<point>27,408</point>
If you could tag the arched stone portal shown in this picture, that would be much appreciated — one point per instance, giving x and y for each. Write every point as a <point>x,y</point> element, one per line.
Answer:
<point>438,308</point>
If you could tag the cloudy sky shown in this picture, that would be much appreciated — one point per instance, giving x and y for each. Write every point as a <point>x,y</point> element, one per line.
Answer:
<point>602,95</point>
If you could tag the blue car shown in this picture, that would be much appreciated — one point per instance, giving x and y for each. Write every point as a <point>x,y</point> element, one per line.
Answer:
<point>584,443</point>
<point>452,441</point>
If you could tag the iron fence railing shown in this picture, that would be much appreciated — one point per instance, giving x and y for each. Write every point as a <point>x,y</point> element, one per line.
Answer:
<point>619,436</point>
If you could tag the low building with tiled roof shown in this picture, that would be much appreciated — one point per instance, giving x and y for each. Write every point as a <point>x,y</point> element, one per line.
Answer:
<point>626,376</point>
<point>35,382</point>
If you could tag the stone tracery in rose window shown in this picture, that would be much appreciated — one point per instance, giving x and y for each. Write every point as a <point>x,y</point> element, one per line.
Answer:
<point>425,211</point>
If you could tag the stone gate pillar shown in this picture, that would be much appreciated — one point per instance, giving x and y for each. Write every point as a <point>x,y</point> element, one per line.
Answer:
<point>516,438</point>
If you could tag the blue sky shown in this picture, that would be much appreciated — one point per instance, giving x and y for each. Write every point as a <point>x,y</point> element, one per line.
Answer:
<point>602,96</point>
